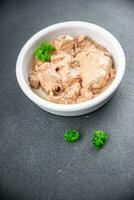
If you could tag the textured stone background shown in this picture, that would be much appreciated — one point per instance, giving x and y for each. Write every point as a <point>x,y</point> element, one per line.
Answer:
<point>35,162</point>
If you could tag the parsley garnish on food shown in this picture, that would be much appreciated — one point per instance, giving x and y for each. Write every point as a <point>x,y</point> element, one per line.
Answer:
<point>71,135</point>
<point>99,138</point>
<point>43,52</point>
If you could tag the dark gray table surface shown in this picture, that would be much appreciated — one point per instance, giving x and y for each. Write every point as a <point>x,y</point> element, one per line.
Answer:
<point>35,161</point>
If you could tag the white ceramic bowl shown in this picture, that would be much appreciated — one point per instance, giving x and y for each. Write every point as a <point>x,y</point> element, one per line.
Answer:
<point>74,28</point>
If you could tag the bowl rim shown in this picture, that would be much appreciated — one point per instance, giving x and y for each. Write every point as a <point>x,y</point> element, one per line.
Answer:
<point>77,106</point>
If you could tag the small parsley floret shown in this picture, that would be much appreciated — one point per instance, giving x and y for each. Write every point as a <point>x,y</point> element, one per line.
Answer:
<point>99,138</point>
<point>71,135</point>
<point>43,52</point>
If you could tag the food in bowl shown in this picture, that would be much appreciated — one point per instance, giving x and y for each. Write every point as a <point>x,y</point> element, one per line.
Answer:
<point>98,34</point>
<point>70,70</point>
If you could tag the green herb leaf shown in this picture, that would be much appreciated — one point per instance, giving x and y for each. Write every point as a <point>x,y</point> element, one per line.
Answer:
<point>99,138</point>
<point>43,52</point>
<point>71,135</point>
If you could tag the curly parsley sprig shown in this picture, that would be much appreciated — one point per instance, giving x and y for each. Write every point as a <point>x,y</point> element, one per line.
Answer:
<point>71,135</point>
<point>99,138</point>
<point>43,52</point>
